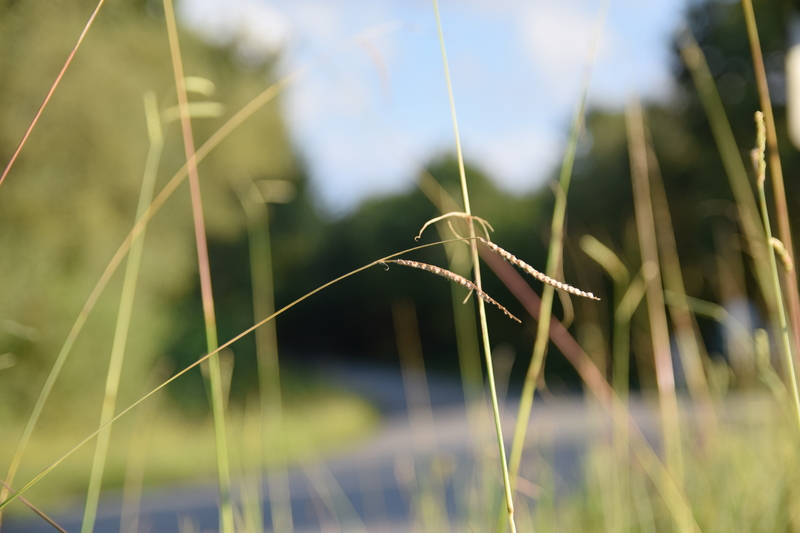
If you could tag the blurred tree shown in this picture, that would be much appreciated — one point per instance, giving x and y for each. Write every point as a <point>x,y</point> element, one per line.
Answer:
<point>71,197</point>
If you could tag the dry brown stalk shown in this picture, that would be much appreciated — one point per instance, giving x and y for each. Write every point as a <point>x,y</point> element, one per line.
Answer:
<point>452,276</point>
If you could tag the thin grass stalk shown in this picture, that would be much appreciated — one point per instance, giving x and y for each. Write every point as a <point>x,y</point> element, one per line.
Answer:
<point>623,291</point>
<point>620,275</point>
<point>38,512</point>
<point>432,500</point>
<point>466,331</point>
<point>786,343</point>
<point>509,498</point>
<point>690,345</point>
<point>214,373</point>
<point>554,257</point>
<point>124,314</point>
<point>659,331</point>
<point>791,294</point>
<point>134,471</point>
<point>269,384</point>
<point>749,218</point>
<point>463,316</point>
<point>553,265</point>
<point>43,105</point>
<point>334,497</point>
<point>14,494</point>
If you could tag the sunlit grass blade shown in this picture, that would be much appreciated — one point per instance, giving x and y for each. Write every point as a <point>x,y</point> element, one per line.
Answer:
<point>217,399</point>
<point>431,494</point>
<point>476,268</point>
<point>269,383</point>
<point>654,292</point>
<point>690,345</point>
<point>124,314</point>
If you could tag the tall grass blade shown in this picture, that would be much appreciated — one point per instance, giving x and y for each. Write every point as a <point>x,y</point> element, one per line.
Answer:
<point>554,258</point>
<point>269,384</point>
<point>214,374</point>
<point>487,351</point>
<point>691,349</point>
<point>792,294</point>
<point>124,314</point>
<point>659,331</point>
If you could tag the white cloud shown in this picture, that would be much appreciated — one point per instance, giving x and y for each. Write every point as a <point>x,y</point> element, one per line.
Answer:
<point>256,29</point>
<point>521,159</point>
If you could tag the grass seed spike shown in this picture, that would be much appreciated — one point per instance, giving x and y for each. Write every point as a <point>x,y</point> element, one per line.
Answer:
<point>452,276</point>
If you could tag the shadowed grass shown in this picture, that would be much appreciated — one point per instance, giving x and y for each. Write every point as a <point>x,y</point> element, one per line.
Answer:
<point>792,293</point>
<point>731,158</point>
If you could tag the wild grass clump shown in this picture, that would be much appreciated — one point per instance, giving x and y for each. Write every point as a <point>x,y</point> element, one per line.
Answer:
<point>707,465</point>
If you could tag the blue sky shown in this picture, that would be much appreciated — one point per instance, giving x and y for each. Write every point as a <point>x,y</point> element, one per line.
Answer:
<point>374,106</point>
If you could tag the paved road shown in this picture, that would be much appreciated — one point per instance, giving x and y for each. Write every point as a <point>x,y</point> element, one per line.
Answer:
<point>372,485</point>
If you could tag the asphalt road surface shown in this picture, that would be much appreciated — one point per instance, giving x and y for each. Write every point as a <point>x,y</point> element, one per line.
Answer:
<point>430,442</point>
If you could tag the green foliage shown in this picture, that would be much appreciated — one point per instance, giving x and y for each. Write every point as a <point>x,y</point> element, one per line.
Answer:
<point>71,198</point>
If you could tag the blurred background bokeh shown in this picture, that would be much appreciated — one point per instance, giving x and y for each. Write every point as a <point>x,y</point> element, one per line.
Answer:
<point>348,162</point>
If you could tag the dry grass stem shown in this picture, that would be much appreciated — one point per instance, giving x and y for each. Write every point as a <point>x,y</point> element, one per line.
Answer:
<point>41,514</point>
<point>544,278</point>
<point>780,249</point>
<point>52,90</point>
<point>455,278</point>
<point>483,222</point>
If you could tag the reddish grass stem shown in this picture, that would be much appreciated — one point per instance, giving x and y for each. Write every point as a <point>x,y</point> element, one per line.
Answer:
<point>52,90</point>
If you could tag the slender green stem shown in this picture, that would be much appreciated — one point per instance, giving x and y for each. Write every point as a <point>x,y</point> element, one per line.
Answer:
<point>487,350</point>
<point>269,384</point>
<point>214,372</point>
<point>124,315</point>
<point>792,294</point>
<point>773,264</point>
<point>38,477</point>
<point>554,257</point>
<point>554,254</point>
